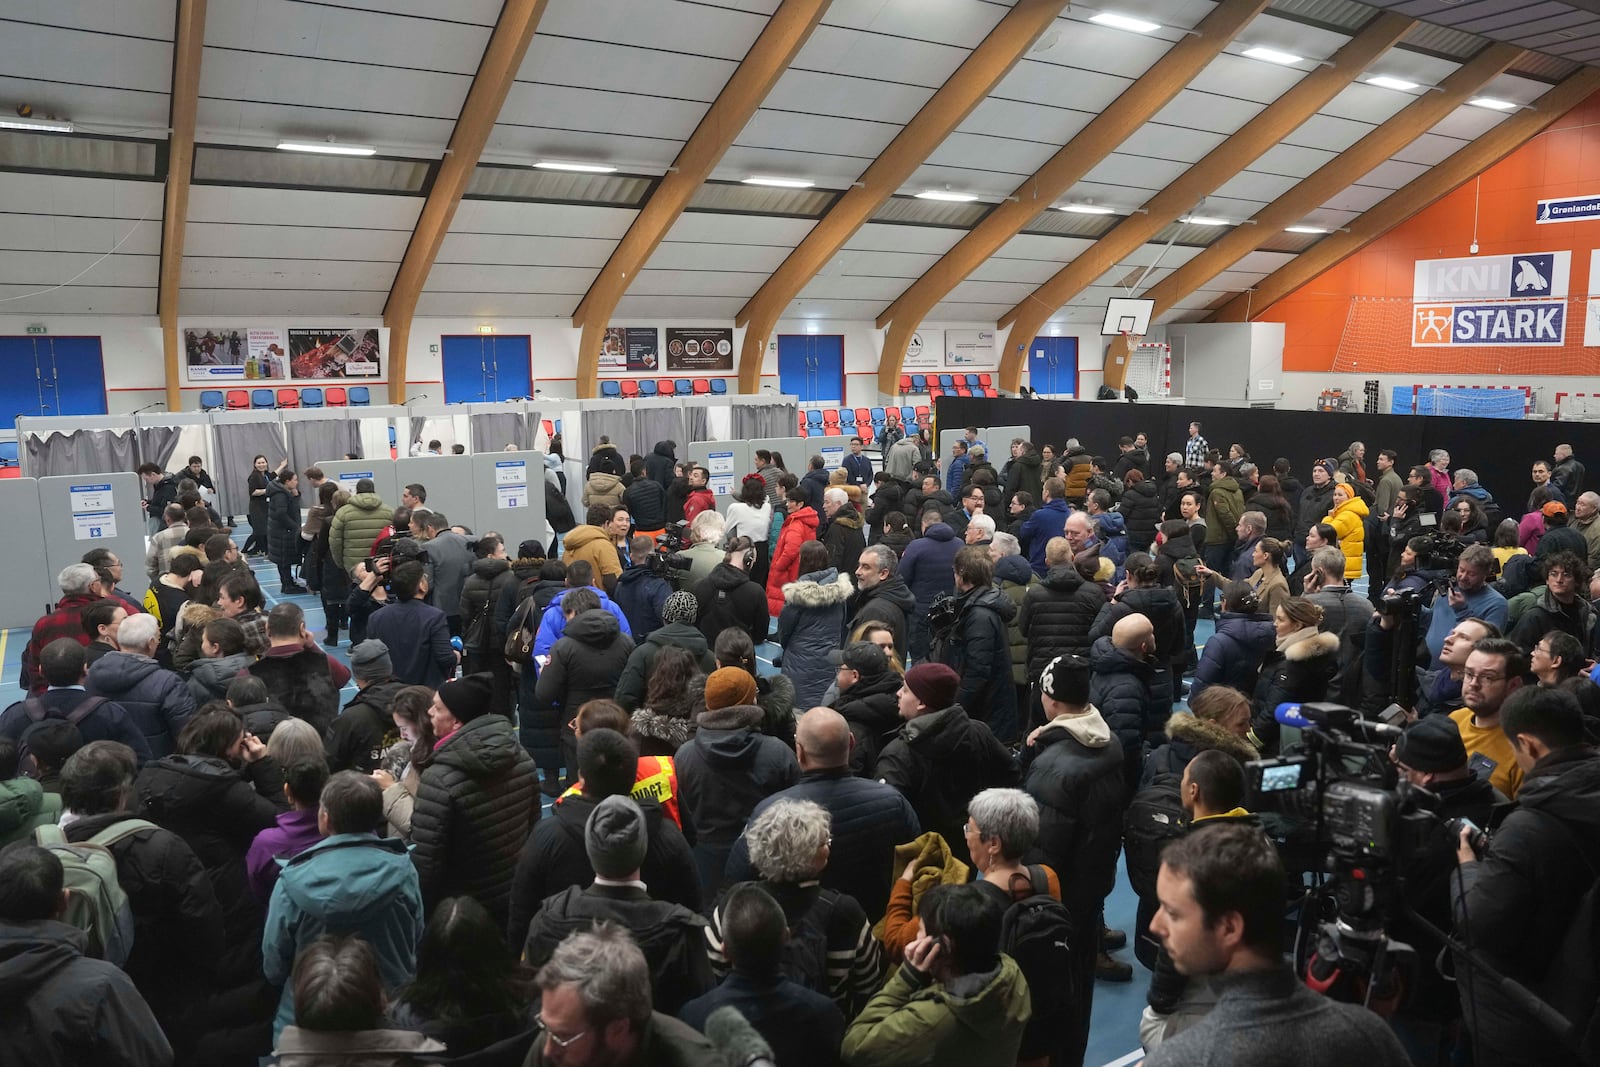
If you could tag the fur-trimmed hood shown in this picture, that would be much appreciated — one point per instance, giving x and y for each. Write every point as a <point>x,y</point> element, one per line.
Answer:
<point>818,589</point>
<point>734,717</point>
<point>1205,735</point>
<point>1309,644</point>
<point>665,728</point>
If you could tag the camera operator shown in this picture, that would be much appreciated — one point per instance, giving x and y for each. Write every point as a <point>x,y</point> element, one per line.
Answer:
<point>1438,688</point>
<point>1222,891</point>
<point>1431,755</point>
<point>1469,596</point>
<point>1516,905</point>
<point>1494,671</point>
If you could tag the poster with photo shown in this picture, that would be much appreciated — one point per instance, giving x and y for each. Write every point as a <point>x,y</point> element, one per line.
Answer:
<point>241,353</point>
<point>334,352</point>
<point>972,349</point>
<point>636,348</point>
<point>709,349</point>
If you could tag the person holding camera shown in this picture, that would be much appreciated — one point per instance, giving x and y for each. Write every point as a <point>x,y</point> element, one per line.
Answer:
<point>1222,890</point>
<point>1517,904</point>
<point>1469,596</point>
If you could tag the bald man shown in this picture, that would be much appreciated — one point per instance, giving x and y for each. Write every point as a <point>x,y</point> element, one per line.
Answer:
<point>1132,691</point>
<point>869,818</point>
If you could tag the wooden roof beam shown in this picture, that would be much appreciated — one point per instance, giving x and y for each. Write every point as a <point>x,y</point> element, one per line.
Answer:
<point>1411,122</point>
<point>188,47</point>
<point>785,34</point>
<point>1276,121</point>
<point>497,71</point>
<point>1399,206</point>
<point>1149,94</point>
<point>974,80</point>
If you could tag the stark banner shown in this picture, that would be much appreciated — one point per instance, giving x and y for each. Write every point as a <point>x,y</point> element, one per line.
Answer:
<point>709,349</point>
<point>332,352</point>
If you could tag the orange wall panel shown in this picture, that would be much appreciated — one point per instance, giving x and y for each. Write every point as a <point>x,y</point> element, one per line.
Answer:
<point>1563,161</point>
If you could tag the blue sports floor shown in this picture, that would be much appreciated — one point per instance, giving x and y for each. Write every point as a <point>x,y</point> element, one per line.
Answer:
<point>1114,1033</point>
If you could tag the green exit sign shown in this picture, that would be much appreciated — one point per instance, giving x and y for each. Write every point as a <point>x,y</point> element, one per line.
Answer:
<point>37,329</point>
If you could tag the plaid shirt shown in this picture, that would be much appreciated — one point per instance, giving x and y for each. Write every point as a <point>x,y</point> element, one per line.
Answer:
<point>65,621</point>
<point>254,624</point>
<point>1194,451</point>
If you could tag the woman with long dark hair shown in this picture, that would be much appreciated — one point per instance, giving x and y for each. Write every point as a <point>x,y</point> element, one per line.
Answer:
<point>409,709</point>
<point>470,991</point>
<point>260,478</point>
<point>751,516</point>
<point>674,692</point>
<point>1270,501</point>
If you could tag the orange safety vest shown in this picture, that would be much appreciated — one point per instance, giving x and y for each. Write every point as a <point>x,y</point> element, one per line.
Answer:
<point>656,779</point>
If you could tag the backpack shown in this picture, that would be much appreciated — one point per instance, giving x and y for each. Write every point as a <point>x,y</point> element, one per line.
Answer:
<point>1154,817</point>
<point>37,712</point>
<point>96,903</point>
<point>1187,580</point>
<point>520,634</point>
<point>1036,932</point>
<point>1571,985</point>
<point>805,954</point>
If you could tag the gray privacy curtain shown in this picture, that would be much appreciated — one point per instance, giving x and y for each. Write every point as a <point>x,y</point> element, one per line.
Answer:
<point>237,447</point>
<point>156,444</point>
<point>82,452</point>
<point>752,421</point>
<point>695,417</point>
<point>616,424</point>
<point>492,432</point>
<point>315,440</point>
<point>660,424</point>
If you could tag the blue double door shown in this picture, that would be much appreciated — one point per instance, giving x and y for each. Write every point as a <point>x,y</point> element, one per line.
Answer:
<point>1053,366</point>
<point>811,367</point>
<point>484,368</point>
<point>50,376</point>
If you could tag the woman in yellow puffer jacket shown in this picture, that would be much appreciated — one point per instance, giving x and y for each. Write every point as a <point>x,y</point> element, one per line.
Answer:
<point>1348,517</point>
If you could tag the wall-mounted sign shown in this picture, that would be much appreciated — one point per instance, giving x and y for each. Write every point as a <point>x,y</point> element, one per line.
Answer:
<point>925,350</point>
<point>631,348</point>
<point>709,349</point>
<point>1567,209</point>
<point>248,353</point>
<point>1491,301</point>
<point>335,352</point>
<point>972,349</point>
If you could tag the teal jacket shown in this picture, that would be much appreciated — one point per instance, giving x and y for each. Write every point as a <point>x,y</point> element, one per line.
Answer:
<point>345,884</point>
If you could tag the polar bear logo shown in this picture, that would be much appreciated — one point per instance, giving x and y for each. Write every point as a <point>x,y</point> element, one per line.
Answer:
<point>1528,277</point>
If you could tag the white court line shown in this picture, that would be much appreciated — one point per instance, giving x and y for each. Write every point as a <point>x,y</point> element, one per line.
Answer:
<point>1133,1057</point>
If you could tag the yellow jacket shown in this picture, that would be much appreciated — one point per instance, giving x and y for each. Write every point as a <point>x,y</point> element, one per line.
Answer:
<point>1348,519</point>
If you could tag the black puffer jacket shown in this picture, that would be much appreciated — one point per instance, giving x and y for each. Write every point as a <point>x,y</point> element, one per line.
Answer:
<point>889,602</point>
<point>1025,475</point>
<point>1133,694</point>
<point>727,597</point>
<point>1057,615</point>
<point>811,626</point>
<point>872,708</point>
<point>727,768</point>
<point>635,678</point>
<point>476,801</point>
<point>607,460</point>
<point>585,663</point>
<point>357,738</point>
<point>978,648</point>
<point>177,921</point>
<point>553,858</point>
<point>1300,673</point>
<point>283,523</point>
<point>218,811</point>
<point>941,760</point>
<point>659,463</point>
<point>1233,654</point>
<point>1141,510</point>
<point>156,699</point>
<point>1074,771</point>
<point>1158,604</point>
<point>845,540</point>
<point>646,500</point>
<point>1315,503</point>
<point>1187,737</point>
<point>484,588</point>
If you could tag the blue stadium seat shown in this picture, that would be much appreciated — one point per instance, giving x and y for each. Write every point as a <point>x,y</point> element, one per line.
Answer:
<point>360,396</point>
<point>262,398</point>
<point>946,382</point>
<point>211,399</point>
<point>683,385</point>
<point>972,381</point>
<point>919,383</point>
<point>611,389</point>
<point>719,387</point>
<point>908,415</point>
<point>8,454</point>
<point>847,419</point>
<point>647,387</point>
<point>311,397</point>
<point>814,417</point>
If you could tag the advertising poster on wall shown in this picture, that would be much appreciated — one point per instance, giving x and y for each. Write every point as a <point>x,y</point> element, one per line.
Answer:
<point>631,348</point>
<point>972,349</point>
<point>924,349</point>
<point>238,352</point>
<point>1491,301</point>
<point>709,349</point>
<point>333,352</point>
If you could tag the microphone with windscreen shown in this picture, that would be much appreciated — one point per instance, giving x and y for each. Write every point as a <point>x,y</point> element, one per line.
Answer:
<point>733,1034</point>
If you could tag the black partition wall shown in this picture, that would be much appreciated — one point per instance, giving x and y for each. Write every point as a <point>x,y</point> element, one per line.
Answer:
<point>1499,450</point>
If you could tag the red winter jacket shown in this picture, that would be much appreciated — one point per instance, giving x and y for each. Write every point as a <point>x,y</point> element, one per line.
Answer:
<point>798,528</point>
<point>699,500</point>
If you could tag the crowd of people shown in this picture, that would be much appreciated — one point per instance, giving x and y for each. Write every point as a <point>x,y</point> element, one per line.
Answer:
<point>567,817</point>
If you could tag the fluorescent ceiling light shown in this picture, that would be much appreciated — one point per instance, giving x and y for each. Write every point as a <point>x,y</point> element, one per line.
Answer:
<point>1204,220</point>
<point>779,183</point>
<point>1087,209</point>
<point>35,125</point>
<point>1272,55</point>
<point>1492,103</point>
<point>940,194</point>
<point>1304,229</point>
<point>1123,22</point>
<point>580,168</point>
<point>1383,81</point>
<point>328,148</point>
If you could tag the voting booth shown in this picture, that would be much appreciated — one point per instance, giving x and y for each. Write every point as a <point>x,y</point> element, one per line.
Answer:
<point>508,496</point>
<point>30,585</point>
<point>728,462</point>
<point>448,480</point>
<point>79,512</point>
<point>350,472</point>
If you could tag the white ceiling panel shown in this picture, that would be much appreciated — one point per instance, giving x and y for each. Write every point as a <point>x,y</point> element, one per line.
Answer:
<point>539,105</point>
<point>828,169</point>
<point>953,22</point>
<point>1054,85</point>
<point>232,75</point>
<point>906,266</point>
<point>989,184</point>
<point>1002,155</point>
<point>138,63</point>
<point>127,18</point>
<point>496,278</point>
<point>1357,198</point>
<point>1216,113</point>
<point>604,66</point>
<point>1009,293</point>
<point>63,234</point>
<point>300,304</point>
<point>300,207</point>
<point>135,113</point>
<point>549,220</point>
<point>1367,103</point>
<point>1292,160</point>
<point>221,121</point>
<point>963,311</point>
<point>1431,148</point>
<point>1157,140</point>
<point>836,50</point>
<point>652,282</point>
<point>79,300</point>
<point>1026,121</point>
<point>1469,123</point>
<point>210,272</point>
<point>853,287</point>
<point>1419,67</point>
<point>686,256</point>
<point>876,100</point>
<point>828,133</point>
<point>1267,30</point>
<point>485,305</point>
<point>1033,272</point>
<point>1092,46</point>
<point>1233,281</point>
<point>1245,79</point>
<point>1162,255</point>
<point>1392,174</point>
<point>476,12</point>
<point>1254,185</point>
<point>289,242</point>
<point>1048,249</point>
<point>678,27</point>
<point>43,269</point>
<point>1135,172</point>
<point>325,32</point>
<point>834,309</point>
<point>639,306</point>
<point>887,237</point>
<point>1262,262</point>
<point>1328,133</point>
<point>485,248</point>
<point>717,228</point>
<point>53,194</point>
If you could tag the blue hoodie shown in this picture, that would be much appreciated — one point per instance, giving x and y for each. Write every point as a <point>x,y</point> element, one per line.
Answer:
<point>1050,520</point>
<point>345,884</point>
<point>1112,531</point>
<point>554,622</point>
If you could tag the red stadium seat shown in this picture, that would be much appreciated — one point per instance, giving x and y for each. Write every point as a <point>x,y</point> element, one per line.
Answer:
<point>335,397</point>
<point>666,387</point>
<point>630,388</point>
<point>238,399</point>
<point>288,398</point>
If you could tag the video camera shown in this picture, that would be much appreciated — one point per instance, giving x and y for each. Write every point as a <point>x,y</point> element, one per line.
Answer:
<point>666,560</point>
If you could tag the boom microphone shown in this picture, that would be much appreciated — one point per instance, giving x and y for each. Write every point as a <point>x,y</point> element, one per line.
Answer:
<point>733,1034</point>
<point>1330,717</point>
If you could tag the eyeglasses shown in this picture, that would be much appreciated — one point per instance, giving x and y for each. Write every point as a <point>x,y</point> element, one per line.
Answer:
<point>1490,677</point>
<point>555,1038</point>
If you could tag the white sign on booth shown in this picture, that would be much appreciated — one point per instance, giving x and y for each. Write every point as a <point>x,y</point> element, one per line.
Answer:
<point>721,466</point>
